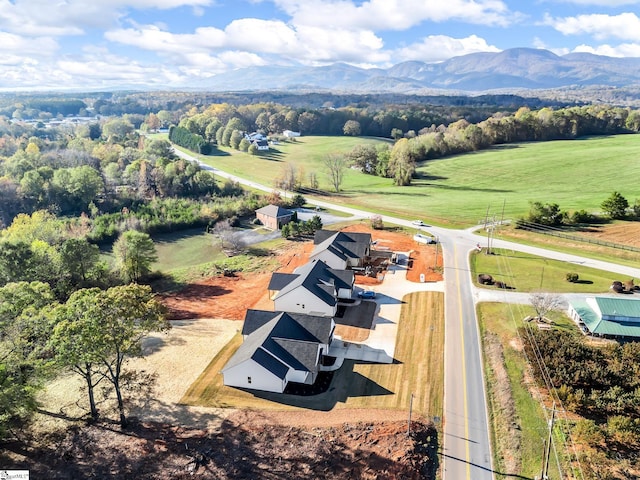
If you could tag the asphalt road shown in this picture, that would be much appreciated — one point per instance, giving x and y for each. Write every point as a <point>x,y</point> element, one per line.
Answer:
<point>466,453</point>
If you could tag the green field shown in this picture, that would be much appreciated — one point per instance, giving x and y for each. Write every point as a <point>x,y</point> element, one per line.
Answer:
<point>528,273</point>
<point>186,248</point>
<point>458,190</point>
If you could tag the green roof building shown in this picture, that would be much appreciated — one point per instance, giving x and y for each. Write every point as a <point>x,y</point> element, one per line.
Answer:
<point>607,316</point>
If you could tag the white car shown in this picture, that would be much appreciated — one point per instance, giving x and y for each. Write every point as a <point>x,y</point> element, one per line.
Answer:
<point>419,223</point>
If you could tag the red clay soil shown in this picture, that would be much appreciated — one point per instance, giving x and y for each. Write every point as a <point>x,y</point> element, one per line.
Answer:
<point>229,297</point>
<point>352,450</point>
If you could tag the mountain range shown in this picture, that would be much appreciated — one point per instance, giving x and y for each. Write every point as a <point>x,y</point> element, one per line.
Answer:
<point>512,69</point>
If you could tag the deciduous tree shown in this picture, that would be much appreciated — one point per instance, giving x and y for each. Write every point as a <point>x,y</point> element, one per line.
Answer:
<point>134,252</point>
<point>335,166</point>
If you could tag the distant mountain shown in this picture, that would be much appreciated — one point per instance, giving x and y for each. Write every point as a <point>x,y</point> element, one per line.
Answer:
<point>517,68</point>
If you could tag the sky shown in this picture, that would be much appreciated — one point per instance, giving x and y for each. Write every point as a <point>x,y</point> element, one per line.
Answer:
<point>103,44</point>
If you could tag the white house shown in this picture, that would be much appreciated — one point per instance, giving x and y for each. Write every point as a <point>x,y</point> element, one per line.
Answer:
<point>290,134</point>
<point>278,348</point>
<point>341,250</point>
<point>261,144</point>
<point>313,289</point>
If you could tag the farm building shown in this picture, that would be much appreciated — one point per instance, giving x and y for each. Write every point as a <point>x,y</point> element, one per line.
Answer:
<point>274,216</point>
<point>313,288</point>
<point>279,348</point>
<point>290,134</point>
<point>341,250</point>
<point>607,316</point>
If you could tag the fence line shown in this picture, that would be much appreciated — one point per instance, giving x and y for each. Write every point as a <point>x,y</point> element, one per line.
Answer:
<point>556,232</point>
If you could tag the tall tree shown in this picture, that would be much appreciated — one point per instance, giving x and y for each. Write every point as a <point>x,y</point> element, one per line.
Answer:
<point>335,165</point>
<point>352,128</point>
<point>106,328</point>
<point>134,252</point>
<point>401,163</point>
<point>615,206</point>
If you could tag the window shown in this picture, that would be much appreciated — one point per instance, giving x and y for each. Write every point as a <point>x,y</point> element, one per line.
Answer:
<point>248,379</point>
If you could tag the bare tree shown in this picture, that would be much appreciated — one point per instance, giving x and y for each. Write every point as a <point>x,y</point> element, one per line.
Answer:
<point>335,165</point>
<point>544,302</point>
<point>223,232</point>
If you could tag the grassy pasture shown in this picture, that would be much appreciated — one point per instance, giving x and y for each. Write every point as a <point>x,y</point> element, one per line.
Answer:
<point>575,174</point>
<point>527,273</point>
<point>418,369</point>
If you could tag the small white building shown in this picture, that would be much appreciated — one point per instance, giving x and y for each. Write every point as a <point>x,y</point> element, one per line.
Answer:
<point>279,348</point>
<point>312,289</point>
<point>290,134</point>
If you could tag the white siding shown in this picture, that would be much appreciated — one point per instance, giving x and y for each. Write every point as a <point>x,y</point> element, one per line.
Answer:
<point>344,293</point>
<point>261,378</point>
<point>330,259</point>
<point>301,300</point>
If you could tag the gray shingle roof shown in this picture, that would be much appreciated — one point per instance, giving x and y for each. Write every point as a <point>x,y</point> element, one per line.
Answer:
<point>277,339</point>
<point>320,280</point>
<point>343,244</point>
<point>275,211</point>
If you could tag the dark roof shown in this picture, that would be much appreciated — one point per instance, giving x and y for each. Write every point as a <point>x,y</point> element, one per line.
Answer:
<point>343,244</point>
<point>318,327</point>
<point>275,211</point>
<point>279,340</point>
<point>320,280</point>
<point>271,363</point>
<point>280,280</point>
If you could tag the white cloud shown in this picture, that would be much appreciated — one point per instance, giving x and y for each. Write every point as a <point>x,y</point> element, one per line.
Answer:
<point>304,44</point>
<point>435,48</point>
<point>623,50</point>
<point>73,17</point>
<point>394,14</point>
<point>604,3</point>
<point>41,46</point>
<point>625,26</point>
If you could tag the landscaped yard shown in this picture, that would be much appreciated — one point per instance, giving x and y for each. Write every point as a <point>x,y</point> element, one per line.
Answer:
<point>526,273</point>
<point>418,369</point>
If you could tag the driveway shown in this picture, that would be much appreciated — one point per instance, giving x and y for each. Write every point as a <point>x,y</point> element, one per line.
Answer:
<point>380,345</point>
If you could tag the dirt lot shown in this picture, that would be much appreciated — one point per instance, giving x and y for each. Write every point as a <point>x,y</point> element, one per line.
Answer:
<point>352,450</point>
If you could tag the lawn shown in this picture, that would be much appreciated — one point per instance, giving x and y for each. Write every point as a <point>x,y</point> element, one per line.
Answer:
<point>187,248</point>
<point>517,437</point>
<point>418,369</point>
<point>459,190</point>
<point>527,273</point>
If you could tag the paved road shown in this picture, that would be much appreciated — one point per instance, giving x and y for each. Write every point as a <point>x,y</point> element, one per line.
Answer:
<point>466,453</point>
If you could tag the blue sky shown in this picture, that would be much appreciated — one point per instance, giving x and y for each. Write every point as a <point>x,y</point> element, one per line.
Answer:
<point>57,44</point>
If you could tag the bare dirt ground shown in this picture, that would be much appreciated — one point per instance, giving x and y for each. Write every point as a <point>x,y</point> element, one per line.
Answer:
<point>169,440</point>
<point>229,297</point>
<point>352,450</point>
<point>627,233</point>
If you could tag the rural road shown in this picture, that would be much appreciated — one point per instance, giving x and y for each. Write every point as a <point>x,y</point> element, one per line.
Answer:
<point>466,453</point>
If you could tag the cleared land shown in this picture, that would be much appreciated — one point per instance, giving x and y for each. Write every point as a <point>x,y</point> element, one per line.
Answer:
<point>575,174</point>
<point>525,273</point>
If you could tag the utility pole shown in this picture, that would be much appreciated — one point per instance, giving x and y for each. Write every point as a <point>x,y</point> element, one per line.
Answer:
<point>547,447</point>
<point>409,422</point>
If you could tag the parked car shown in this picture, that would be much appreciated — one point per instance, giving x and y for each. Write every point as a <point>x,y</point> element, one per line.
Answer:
<point>419,223</point>
<point>367,294</point>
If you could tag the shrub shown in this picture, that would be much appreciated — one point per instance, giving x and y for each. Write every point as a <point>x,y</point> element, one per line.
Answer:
<point>572,277</point>
<point>376,222</point>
